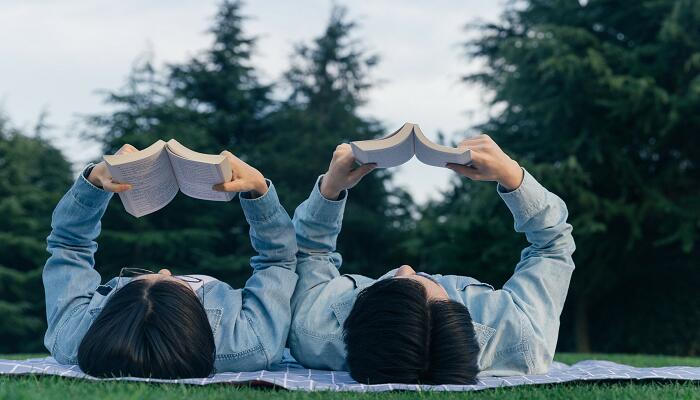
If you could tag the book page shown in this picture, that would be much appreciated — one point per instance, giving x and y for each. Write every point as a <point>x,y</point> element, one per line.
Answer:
<point>431,153</point>
<point>151,176</point>
<point>177,148</point>
<point>387,152</point>
<point>196,178</point>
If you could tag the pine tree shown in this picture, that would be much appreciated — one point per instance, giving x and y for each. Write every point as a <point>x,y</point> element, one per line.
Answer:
<point>33,177</point>
<point>210,103</point>
<point>327,83</point>
<point>600,102</point>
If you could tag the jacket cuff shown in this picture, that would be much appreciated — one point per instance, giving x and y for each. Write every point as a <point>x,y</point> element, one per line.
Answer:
<point>525,201</point>
<point>323,209</point>
<point>88,194</point>
<point>261,208</point>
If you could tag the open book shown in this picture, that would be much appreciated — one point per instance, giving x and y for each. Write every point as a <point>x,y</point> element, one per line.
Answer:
<point>159,171</point>
<point>400,147</point>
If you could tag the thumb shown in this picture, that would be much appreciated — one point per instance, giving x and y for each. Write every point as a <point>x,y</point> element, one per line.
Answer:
<point>127,148</point>
<point>111,186</point>
<point>464,170</point>
<point>233,186</point>
<point>362,170</point>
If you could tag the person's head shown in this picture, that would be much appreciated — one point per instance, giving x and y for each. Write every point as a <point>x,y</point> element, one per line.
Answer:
<point>405,329</point>
<point>154,326</point>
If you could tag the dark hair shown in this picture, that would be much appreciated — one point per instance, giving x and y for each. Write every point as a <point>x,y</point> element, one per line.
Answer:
<point>156,329</point>
<point>395,335</point>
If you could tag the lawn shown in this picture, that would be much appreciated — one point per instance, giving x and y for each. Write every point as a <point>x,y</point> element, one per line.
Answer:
<point>45,387</point>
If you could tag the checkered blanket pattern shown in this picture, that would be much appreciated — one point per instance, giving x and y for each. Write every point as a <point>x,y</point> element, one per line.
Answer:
<point>293,377</point>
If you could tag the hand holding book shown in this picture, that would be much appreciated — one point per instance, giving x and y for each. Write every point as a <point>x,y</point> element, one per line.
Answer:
<point>489,163</point>
<point>402,145</point>
<point>100,176</point>
<point>244,178</point>
<point>157,173</point>
<point>478,158</point>
<point>342,172</point>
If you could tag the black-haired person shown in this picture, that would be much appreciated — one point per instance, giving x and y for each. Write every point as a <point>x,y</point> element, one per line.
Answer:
<point>154,324</point>
<point>413,327</point>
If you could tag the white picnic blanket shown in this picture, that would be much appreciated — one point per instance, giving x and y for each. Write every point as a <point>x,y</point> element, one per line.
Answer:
<point>292,376</point>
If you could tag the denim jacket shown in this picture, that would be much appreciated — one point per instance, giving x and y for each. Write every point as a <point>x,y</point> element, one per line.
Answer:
<point>250,325</point>
<point>516,326</point>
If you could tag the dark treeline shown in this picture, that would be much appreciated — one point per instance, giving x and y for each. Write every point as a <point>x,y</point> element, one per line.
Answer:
<point>599,102</point>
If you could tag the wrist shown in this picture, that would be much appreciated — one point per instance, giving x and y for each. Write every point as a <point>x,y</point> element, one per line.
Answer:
<point>259,189</point>
<point>512,176</point>
<point>328,190</point>
<point>94,179</point>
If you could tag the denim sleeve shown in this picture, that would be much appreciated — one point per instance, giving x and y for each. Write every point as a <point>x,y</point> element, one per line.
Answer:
<point>541,279</point>
<point>69,276</point>
<point>267,294</point>
<point>317,222</point>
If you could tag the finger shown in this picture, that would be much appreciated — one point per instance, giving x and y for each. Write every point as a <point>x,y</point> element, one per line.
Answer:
<point>476,156</point>
<point>127,148</point>
<point>341,155</point>
<point>235,161</point>
<point>345,159</point>
<point>233,186</point>
<point>485,137</point>
<point>479,149</point>
<point>464,170</point>
<point>362,170</point>
<point>473,141</point>
<point>470,139</point>
<point>344,147</point>
<point>116,187</point>
<point>342,150</point>
<point>476,138</point>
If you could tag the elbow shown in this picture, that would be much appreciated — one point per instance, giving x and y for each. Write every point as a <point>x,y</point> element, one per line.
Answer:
<point>283,255</point>
<point>565,239</point>
<point>542,346</point>
<point>556,242</point>
<point>64,240</point>
<point>541,358</point>
<point>564,242</point>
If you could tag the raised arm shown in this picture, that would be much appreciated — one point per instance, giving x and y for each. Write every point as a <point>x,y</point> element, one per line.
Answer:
<point>261,314</point>
<point>69,276</point>
<point>317,221</point>
<point>541,279</point>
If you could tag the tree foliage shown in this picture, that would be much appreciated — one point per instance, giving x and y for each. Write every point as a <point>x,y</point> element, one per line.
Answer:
<point>210,103</point>
<point>600,102</point>
<point>327,82</point>
<point>33,177</point>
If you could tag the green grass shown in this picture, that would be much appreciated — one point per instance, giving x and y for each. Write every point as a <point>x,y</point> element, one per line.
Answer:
<point>48,387</point>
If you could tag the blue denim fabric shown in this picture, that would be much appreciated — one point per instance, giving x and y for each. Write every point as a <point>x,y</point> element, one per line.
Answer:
<point>516,326</point>
<point>250,325</point>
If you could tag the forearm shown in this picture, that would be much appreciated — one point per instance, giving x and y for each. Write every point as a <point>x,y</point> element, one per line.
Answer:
<point>540,215</point>
<point>271,230</point>
<point>317,222</point>
<point>541,279</point>
<point>69,272</point>
<point>76,219</point>
<point>267,300</point>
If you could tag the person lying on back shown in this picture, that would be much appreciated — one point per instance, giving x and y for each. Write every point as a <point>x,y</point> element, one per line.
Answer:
<point>413,327</point>
<point>152,323</point>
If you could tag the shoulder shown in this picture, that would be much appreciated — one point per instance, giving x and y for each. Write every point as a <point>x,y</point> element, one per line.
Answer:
<point>63,341</point>
<point>502,329</point>
<point>316,336</point>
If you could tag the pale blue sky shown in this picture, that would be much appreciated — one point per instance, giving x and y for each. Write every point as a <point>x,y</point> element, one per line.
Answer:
<point>55,55</point>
